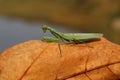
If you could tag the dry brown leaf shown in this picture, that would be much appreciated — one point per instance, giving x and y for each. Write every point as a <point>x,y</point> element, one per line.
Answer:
<point>38,60</point>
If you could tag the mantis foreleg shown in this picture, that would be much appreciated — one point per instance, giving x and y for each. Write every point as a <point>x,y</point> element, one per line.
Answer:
<point>53,39</point>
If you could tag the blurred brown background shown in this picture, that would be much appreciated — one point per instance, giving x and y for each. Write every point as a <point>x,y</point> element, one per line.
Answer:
<point>101,16</point>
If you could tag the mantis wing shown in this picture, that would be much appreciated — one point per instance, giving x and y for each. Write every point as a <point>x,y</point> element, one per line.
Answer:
<point>81,36</point>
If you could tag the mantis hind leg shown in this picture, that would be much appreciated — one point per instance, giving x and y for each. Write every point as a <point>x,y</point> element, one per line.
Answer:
<point>82,42</point>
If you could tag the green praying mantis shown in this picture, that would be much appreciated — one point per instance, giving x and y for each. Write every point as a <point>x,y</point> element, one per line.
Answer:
<point>74,38</point>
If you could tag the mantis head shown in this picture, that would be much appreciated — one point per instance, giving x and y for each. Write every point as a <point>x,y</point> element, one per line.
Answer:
<point>44,28</point>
